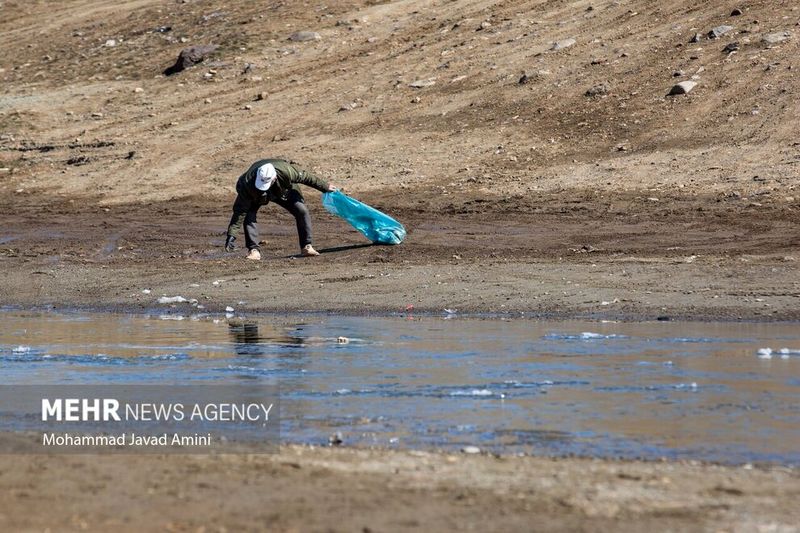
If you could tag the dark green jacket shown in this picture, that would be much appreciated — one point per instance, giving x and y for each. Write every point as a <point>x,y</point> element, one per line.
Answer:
<point>249,197</point>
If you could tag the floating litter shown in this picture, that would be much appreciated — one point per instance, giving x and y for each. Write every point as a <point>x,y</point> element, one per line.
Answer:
<point>229,309</point>
<point>342,340</point>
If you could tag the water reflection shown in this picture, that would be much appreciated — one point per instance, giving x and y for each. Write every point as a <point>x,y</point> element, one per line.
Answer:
<point>672,389</point>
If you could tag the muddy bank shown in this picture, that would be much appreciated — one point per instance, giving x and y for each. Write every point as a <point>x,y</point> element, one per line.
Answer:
<point>310,489</point>
<point>718,263</point>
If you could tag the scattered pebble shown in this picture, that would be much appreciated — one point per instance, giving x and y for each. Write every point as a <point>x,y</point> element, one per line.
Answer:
<point>683,87</point>
<point>190,56</point>
<point>598,90</point>
<point>719,31</point>
<point>560,45</point>
<point>775,38</point>
<point>731,47</point>
<point>303,36</point>
<point>419,84</point>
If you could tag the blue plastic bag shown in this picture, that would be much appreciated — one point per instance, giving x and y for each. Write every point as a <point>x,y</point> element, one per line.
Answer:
<point>376,226</point>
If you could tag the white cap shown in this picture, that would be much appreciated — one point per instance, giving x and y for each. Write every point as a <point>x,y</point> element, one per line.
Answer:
<point>265,177</point>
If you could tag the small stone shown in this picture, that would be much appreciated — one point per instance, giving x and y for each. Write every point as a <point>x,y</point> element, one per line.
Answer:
<point>731,48</point>
<point>775,38</point>
<point>110,43</point>
<point>472,450</point>
<point>719,31</point>
<point>598,90</point>
<point>485,25</point>
<point>190,56</point>
<point>416,100</point>
<point>528,77</point>
<point>138,90</point>
<point>303,36</point>
<point>261,96</point>
<point>683,87</point>
<point>560,45</point>
<point>97,114</point>
<point>207,101</point>
<point>736,12</point>
<point>372,40</point>
<point>248,107</point>
<point>419,84</point>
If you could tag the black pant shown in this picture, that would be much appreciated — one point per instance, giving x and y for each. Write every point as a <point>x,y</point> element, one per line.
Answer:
<point>294,204</point>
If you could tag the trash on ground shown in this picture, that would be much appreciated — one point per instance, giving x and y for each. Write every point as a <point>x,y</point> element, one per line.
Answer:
<point>373,224</point>
<point>171,299</point>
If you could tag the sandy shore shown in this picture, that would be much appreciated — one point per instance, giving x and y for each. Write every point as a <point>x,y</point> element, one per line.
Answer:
<point>331,489</point>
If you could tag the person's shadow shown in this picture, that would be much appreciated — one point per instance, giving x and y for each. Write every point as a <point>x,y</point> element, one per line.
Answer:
<point>335,249</point>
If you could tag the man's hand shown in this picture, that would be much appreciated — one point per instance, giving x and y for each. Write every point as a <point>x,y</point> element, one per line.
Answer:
<point>229,246</point>
<point>332,188</point>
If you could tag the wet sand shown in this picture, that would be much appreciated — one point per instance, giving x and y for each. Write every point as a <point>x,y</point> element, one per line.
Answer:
<point>724,263</point>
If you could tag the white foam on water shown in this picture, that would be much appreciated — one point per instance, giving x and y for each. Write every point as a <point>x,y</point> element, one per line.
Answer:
<point>785,353</point>
<point>473,392</point>
<point>585,336</point>
<point>172,317</point>
<point>21,349</point>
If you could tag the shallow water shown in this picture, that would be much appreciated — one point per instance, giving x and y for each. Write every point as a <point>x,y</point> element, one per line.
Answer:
<point>650,390</point>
